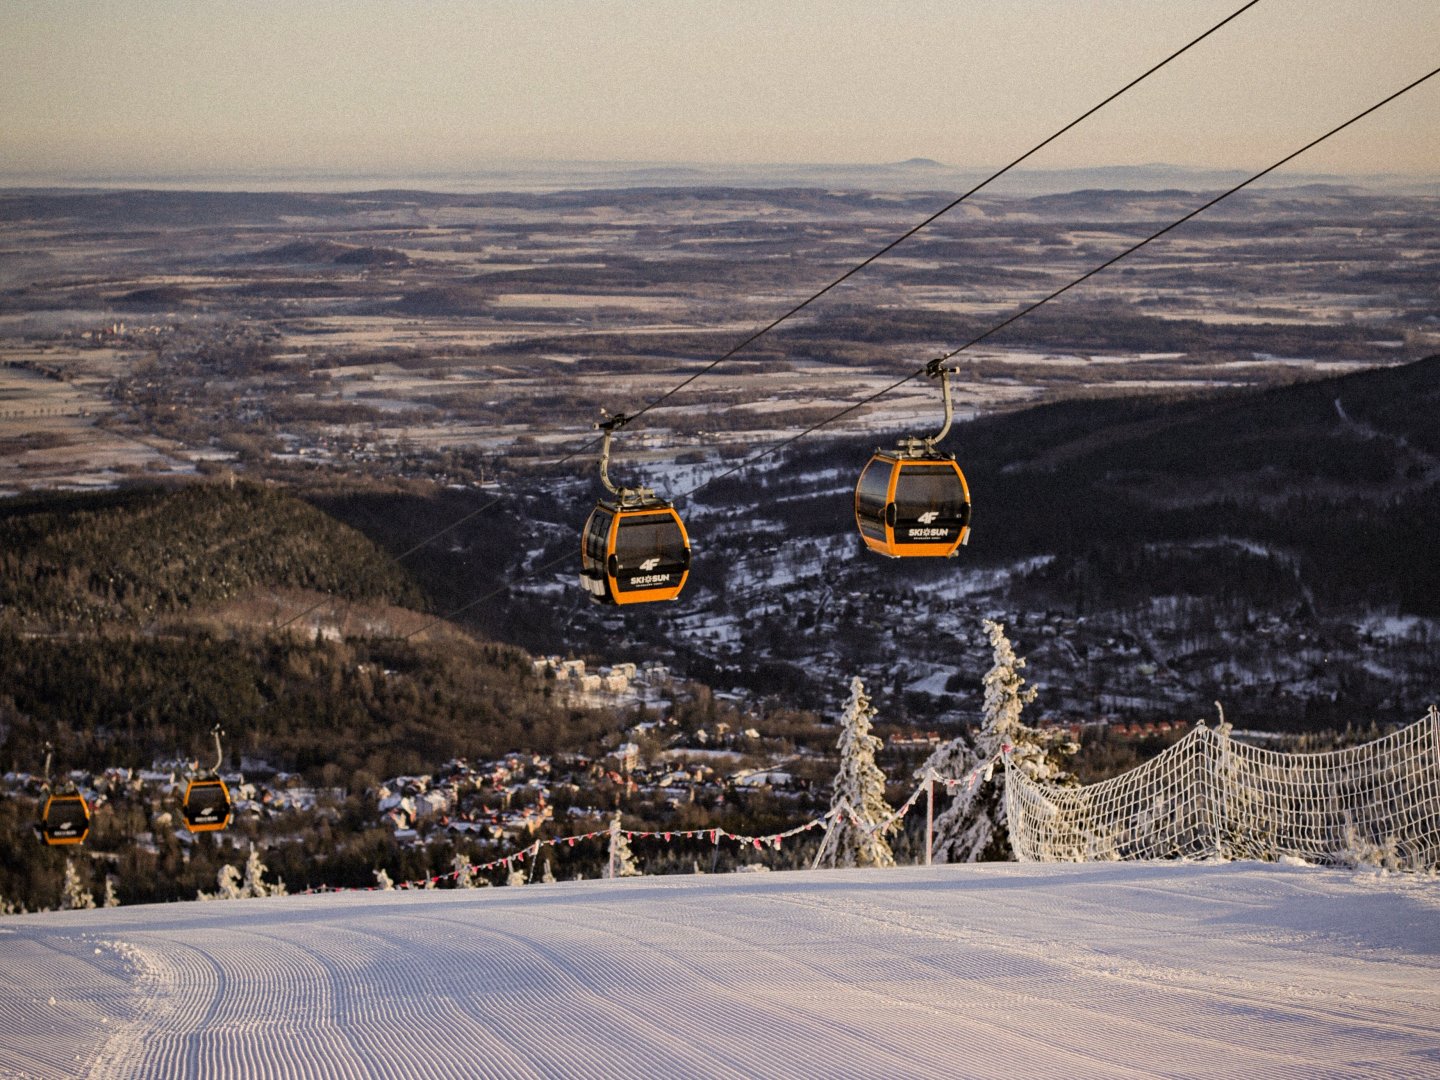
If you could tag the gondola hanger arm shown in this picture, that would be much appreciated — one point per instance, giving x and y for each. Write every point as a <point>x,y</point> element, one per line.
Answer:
<point>625,495</point>
<point>610,426</point>
<point>911,446</point>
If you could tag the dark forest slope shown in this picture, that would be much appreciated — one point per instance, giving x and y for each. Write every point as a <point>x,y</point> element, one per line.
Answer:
<point>125,558</point>
<point>108,648</point>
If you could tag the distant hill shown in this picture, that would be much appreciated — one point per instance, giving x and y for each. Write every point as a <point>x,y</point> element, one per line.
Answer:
<point>1340,474</point>
<point>132,621</point>
<point>301,251</point>
<point>1370,434</point>
<point>125,558</point>
<point>327,251</point>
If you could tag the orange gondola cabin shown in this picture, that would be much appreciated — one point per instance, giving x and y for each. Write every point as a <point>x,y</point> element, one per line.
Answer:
<point>66,819</point>
<point>207,805</point>
<point>634,548</point>
<point>634,554</point>
<point>913,500</point>
<point>912,506</point>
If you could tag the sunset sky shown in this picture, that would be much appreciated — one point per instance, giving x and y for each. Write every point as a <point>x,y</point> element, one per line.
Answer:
<point>97,88</point>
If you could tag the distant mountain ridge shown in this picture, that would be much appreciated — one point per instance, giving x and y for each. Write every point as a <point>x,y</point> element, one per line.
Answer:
<point>572,176</point>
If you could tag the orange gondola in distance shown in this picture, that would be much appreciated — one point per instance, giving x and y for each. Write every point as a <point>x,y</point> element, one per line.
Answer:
<point>913,501</point>
<point>207,806</point>
<point>65,818</point>
<point>634,548</point>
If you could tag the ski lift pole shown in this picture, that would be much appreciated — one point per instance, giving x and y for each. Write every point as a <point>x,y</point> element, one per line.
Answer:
<point>219,753</point>
<point>929,815</point>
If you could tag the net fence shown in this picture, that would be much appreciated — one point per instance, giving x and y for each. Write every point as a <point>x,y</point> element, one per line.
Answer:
<point>1212,796</point>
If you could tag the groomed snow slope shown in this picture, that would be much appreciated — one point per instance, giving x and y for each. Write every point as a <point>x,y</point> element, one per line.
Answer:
<point>1015,970</point>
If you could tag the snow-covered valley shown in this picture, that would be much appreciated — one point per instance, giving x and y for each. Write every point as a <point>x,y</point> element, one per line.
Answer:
<point>1130,969</point>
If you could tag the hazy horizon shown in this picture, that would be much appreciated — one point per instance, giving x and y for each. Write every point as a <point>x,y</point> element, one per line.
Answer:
<point>551,176</point>
<point>166,88</point>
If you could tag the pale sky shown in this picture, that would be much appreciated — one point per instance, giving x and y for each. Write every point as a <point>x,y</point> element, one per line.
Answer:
<point>123,87</point>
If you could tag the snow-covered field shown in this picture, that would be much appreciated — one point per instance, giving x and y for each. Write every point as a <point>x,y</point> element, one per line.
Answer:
<point>1014,970</point>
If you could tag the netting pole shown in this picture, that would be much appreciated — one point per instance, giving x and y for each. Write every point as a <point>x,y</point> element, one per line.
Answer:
<point>1013,809</point>
<point>1218,795</point>
<point>929,815</point>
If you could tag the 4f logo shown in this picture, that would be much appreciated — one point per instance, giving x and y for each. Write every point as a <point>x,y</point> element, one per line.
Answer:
<point>928,518</point>
<point>650,564</point>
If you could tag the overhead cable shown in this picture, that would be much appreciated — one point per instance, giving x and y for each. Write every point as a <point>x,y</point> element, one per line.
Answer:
<point>1058,292</point>
<point>803,304</point>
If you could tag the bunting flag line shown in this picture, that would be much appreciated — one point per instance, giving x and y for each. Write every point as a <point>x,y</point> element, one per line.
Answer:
<point>981,772</point>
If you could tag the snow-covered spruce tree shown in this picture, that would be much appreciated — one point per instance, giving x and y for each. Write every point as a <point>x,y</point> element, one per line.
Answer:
<point>112,898</point>
<point>464,871</point>
<point>254,884</point>
<point>383,882</point>
<point>621,862</point>
<point>973,827</point>
<point>73,893</point>
<point>227,885</point>
<point>859,790</point>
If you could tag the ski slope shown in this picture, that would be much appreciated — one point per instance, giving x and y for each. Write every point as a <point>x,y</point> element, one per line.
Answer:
<point>998,970</point>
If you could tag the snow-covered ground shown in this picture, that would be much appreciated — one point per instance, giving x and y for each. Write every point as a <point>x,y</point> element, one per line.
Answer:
<point>1013,970</point>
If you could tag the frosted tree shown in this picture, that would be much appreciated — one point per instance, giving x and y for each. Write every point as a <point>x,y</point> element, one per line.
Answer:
<point>227,885</point>
<point>382,880</point>
<point>622,860</point>
<point>517,877</point>
<point>972,828</point>
<point>254,884</point>
<point>232,884</point>
<point>73,892</point>
<point>464,871</point>
<point>112,899</point>
<point>547,875</point>
<point>855,837</point>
